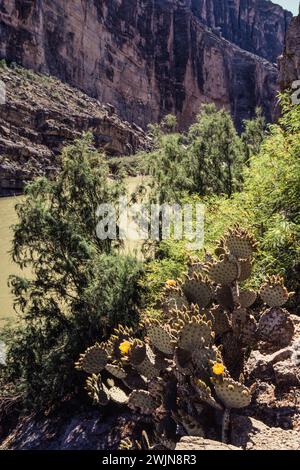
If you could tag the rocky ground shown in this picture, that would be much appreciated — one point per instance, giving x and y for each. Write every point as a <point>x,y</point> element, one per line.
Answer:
<point>271,422</point>
<point>41,115</point>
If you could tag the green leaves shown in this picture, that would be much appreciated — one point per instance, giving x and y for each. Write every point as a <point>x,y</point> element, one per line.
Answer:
<point>80,285</point>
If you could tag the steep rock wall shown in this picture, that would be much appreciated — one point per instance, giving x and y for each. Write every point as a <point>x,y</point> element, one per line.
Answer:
<point>258,26</point>
<point>289,62</point>
<point>145,57</point>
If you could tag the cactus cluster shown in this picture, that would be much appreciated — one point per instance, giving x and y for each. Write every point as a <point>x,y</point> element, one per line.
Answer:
<point>187,370</point>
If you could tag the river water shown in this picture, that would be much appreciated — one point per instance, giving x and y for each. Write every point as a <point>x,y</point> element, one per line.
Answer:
<point>8,217</point>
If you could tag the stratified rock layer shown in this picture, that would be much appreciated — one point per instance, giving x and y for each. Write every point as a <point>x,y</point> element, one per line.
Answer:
<point>149,58</point>
<point>258,26</point>
<point>289,62</point>
<point>41,115</point>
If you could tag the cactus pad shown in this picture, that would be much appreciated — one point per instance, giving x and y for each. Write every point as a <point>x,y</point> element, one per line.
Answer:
<point>276,326</point>
<point>160,338</point>
<point>116,371</point>
<point>137,353</point>
<point>119,336</point>
<point>273,292</point>
<point>97,390</point>
<point>224,297</point>
<point>197,290</point>
<point>195,266</point>
<point>134,381</point>
<point>247,298</point>
<point>204,393</point>
<point>238,317</point>
<point>118,396</point>
<point>147,369</point>
<point>93,360</point>
<point>224,271</point>
<point>220,321</point>
<point>195,335</point>
<point>239,243</point>
<point>202,357</point>
<point>183,361</point>
<point>173,299</point>
<point>245,268</point>
<point>142,400</point>
<point>248,332</point>
<point>190,424</point>
<point>232,394</point>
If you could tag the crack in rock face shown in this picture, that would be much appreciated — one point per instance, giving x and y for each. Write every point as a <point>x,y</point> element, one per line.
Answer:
<point>2,353</point>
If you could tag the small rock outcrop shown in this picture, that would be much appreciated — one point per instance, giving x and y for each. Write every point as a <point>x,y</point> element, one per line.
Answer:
<point>251,434</point>
<point>289,62</point>
<point>41,115</point>
<point>190,443</point>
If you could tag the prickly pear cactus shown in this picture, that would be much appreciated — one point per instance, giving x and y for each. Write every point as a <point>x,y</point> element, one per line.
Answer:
<point>187,367</point>
<point>225,271</point>
<point>275,326</point>
<point>239,243</point>
<point>160,338</point>
<point>93,360</point>
<point>143,401</point>
<point>232,394</point>
<point>197,290</point>
<point>273,292</point>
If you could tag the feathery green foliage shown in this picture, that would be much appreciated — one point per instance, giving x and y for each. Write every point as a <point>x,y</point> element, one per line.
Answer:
<point>269,204</point>
<point>216,153</point>
<point>80,286</point>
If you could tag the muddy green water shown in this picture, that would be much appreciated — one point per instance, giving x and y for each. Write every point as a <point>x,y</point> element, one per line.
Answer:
<point>7,218</point>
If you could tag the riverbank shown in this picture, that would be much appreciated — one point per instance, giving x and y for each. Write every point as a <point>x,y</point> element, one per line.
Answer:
<point>8,217</point>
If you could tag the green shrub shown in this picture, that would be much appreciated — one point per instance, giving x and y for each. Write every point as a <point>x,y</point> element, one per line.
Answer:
<point>216,153</point>
<point>207,160</point>
<point>80,286</point>
<point>269,204</point>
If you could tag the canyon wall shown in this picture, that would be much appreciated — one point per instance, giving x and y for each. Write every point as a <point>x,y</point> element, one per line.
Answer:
<point>258,26</point>
<point>41,115</point>
<point>151,57</point>
<point>289,62</point>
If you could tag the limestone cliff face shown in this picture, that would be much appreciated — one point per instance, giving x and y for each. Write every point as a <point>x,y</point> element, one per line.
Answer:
<point>41,115</point>
<point>258,26</point>
<point>145,57</point>
<point>289,62</point>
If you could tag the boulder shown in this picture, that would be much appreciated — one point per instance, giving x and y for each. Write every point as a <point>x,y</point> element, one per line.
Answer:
<point>199,443</point>
<point>251,434</point>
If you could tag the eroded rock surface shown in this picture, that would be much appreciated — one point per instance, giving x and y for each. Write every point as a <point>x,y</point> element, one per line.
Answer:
<point>41,115</point>
<point>289,62</point>
<point>258,26</point>
<point>190,443</point>
<point>251,434</point>
<point>149,58</point>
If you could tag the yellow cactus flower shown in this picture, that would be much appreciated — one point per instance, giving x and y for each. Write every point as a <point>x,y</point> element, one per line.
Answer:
<point>218,368</point>
<point>171,283</point>
<point>125,347</point>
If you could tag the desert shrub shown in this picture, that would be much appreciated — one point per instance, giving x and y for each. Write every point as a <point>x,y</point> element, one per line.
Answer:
<point>268,204</point>
<point>272,192</point>
<point>254,134</point>
<point>216,152</point>
<point>80,286</point>
<point>207,160</point>
<point>167,167</point>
